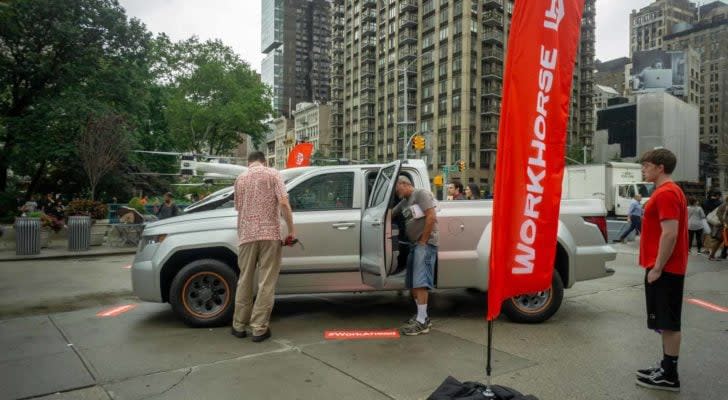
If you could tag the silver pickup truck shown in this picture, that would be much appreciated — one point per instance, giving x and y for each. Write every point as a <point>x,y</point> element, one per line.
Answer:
<point>350,244</point>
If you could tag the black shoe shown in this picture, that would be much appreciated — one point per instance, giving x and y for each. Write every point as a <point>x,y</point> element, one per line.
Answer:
<point>260,338</point>
<point>238,334</point>
<point>648,372</point>
<point>658,380</point>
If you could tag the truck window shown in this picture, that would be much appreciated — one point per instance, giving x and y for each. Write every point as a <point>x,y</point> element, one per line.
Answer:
<point>379,193</point>
<point>646,189</point>
<point>334,191</point>
<point>630,191</point>
<point>624,191</point>
<point>370,178</point>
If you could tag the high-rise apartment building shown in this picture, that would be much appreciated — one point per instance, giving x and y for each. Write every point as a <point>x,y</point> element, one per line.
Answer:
<point>581,116</point>
<point>709,38</point>
<point>649,25</point>
<point>296,41</point>
<point>434,67</point>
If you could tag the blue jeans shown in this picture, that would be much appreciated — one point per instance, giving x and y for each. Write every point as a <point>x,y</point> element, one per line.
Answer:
<point>635,224</point>
<point>421,266</point>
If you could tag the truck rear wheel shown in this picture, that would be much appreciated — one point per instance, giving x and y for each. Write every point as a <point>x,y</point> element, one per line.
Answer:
<point>536,307</point>
<point>203,293</point>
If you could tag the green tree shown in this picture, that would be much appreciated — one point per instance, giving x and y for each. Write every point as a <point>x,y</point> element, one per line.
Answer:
<point>60,62</point>
<point>575,155</point>
<point>214,97</point>
<point>102,146</point>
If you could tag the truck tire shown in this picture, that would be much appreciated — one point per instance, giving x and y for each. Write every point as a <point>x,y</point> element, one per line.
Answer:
<point>203,293</point>
<point>536,307</point>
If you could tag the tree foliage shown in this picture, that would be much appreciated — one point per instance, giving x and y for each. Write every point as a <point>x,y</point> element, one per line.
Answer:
<point>63,63</point>
<point>59,62</point>
<point>215,98</point>
<point>575,155</point>
<point>102,146</point>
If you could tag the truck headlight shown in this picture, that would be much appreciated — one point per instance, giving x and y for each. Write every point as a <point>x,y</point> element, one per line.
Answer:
<point>154,239</point>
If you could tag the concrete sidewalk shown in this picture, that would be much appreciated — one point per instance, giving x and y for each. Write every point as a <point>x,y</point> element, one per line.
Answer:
<point>588,350</point>
<point>58,249</point>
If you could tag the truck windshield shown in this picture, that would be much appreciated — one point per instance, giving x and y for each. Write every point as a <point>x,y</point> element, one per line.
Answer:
<point>646,189</point>
<point>223,198</point>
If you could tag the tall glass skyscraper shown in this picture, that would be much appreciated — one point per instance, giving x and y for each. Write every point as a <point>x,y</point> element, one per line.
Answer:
<point>296,38</point>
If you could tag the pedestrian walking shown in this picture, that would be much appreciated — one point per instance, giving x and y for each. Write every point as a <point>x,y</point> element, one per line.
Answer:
<point>417,207</point>
<point>712,202</point>
<point>634,217</point>
<point>664,255</point>
<point>260,198</point>
<point>717,234</point>
<point>696,217</point>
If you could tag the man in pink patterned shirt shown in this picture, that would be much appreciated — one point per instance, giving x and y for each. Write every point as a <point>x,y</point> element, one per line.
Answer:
<point>260,198</point>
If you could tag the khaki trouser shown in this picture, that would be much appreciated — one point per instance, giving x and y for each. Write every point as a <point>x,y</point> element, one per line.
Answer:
<point>266,254</point>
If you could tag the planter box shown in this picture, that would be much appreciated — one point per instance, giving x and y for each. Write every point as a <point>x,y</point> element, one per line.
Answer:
<point>7,239</point>
<point>98,232</point>
<point>45,237</point>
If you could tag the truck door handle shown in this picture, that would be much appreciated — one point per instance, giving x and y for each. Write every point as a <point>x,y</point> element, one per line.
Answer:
<point>377,222</point>
<point>342,226</point>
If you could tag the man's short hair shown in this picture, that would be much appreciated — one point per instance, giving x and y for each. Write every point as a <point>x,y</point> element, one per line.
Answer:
<point>663,157</point>
<point>256,156</point>
<point>458,185</point>
<point>404,179</point>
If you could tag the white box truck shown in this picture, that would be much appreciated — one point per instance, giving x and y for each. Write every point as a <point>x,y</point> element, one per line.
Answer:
<point>615,183</point>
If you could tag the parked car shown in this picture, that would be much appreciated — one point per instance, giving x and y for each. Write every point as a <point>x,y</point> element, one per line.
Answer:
<point>351,244</point>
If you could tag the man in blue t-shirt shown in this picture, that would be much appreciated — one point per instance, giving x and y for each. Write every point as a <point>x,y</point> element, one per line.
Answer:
<point>634,217</point>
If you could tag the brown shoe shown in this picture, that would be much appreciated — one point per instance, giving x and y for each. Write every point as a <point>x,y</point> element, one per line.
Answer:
<point>238,334</point>
<point>259,338</point>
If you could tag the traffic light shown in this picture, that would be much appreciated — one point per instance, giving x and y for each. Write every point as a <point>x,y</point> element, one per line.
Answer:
<point>418,142</point>
<point>437,180</point>
<point>461,165</point>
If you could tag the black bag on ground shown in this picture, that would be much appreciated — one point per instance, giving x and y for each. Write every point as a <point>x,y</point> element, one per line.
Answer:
<point>452,389</point>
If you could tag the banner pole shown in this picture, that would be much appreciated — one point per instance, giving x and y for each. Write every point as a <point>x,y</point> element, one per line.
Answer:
<point>488,391</point>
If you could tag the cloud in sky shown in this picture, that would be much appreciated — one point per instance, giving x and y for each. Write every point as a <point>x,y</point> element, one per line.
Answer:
<point>612,27</point>
<point>237,23</point>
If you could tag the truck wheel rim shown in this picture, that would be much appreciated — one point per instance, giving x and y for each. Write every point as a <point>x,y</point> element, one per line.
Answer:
<point>532,303</point>
<point>206,294</point>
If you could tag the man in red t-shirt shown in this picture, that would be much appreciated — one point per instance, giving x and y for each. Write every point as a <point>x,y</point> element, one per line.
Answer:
<point>664,255</point>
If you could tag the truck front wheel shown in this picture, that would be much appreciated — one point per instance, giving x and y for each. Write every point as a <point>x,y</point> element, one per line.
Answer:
<point>203,293</point>
<point>536,307</point>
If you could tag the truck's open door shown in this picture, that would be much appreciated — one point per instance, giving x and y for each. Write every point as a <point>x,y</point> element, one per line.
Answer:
<point>376,229</point>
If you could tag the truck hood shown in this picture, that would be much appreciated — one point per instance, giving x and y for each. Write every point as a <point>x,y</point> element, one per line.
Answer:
<point>189,222</point>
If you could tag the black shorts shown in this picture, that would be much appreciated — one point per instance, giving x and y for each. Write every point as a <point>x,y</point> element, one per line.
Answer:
<point>664,301</point>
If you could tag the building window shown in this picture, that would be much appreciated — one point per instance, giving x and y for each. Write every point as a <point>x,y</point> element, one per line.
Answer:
<point>443,33</point>
<point>455,102</point>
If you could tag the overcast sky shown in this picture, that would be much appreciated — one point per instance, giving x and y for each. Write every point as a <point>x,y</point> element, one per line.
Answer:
<point>237,23</point>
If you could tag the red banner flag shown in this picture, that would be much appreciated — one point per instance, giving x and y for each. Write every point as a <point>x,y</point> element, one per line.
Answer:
<point>531,144</point>
<point>300,156</point>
